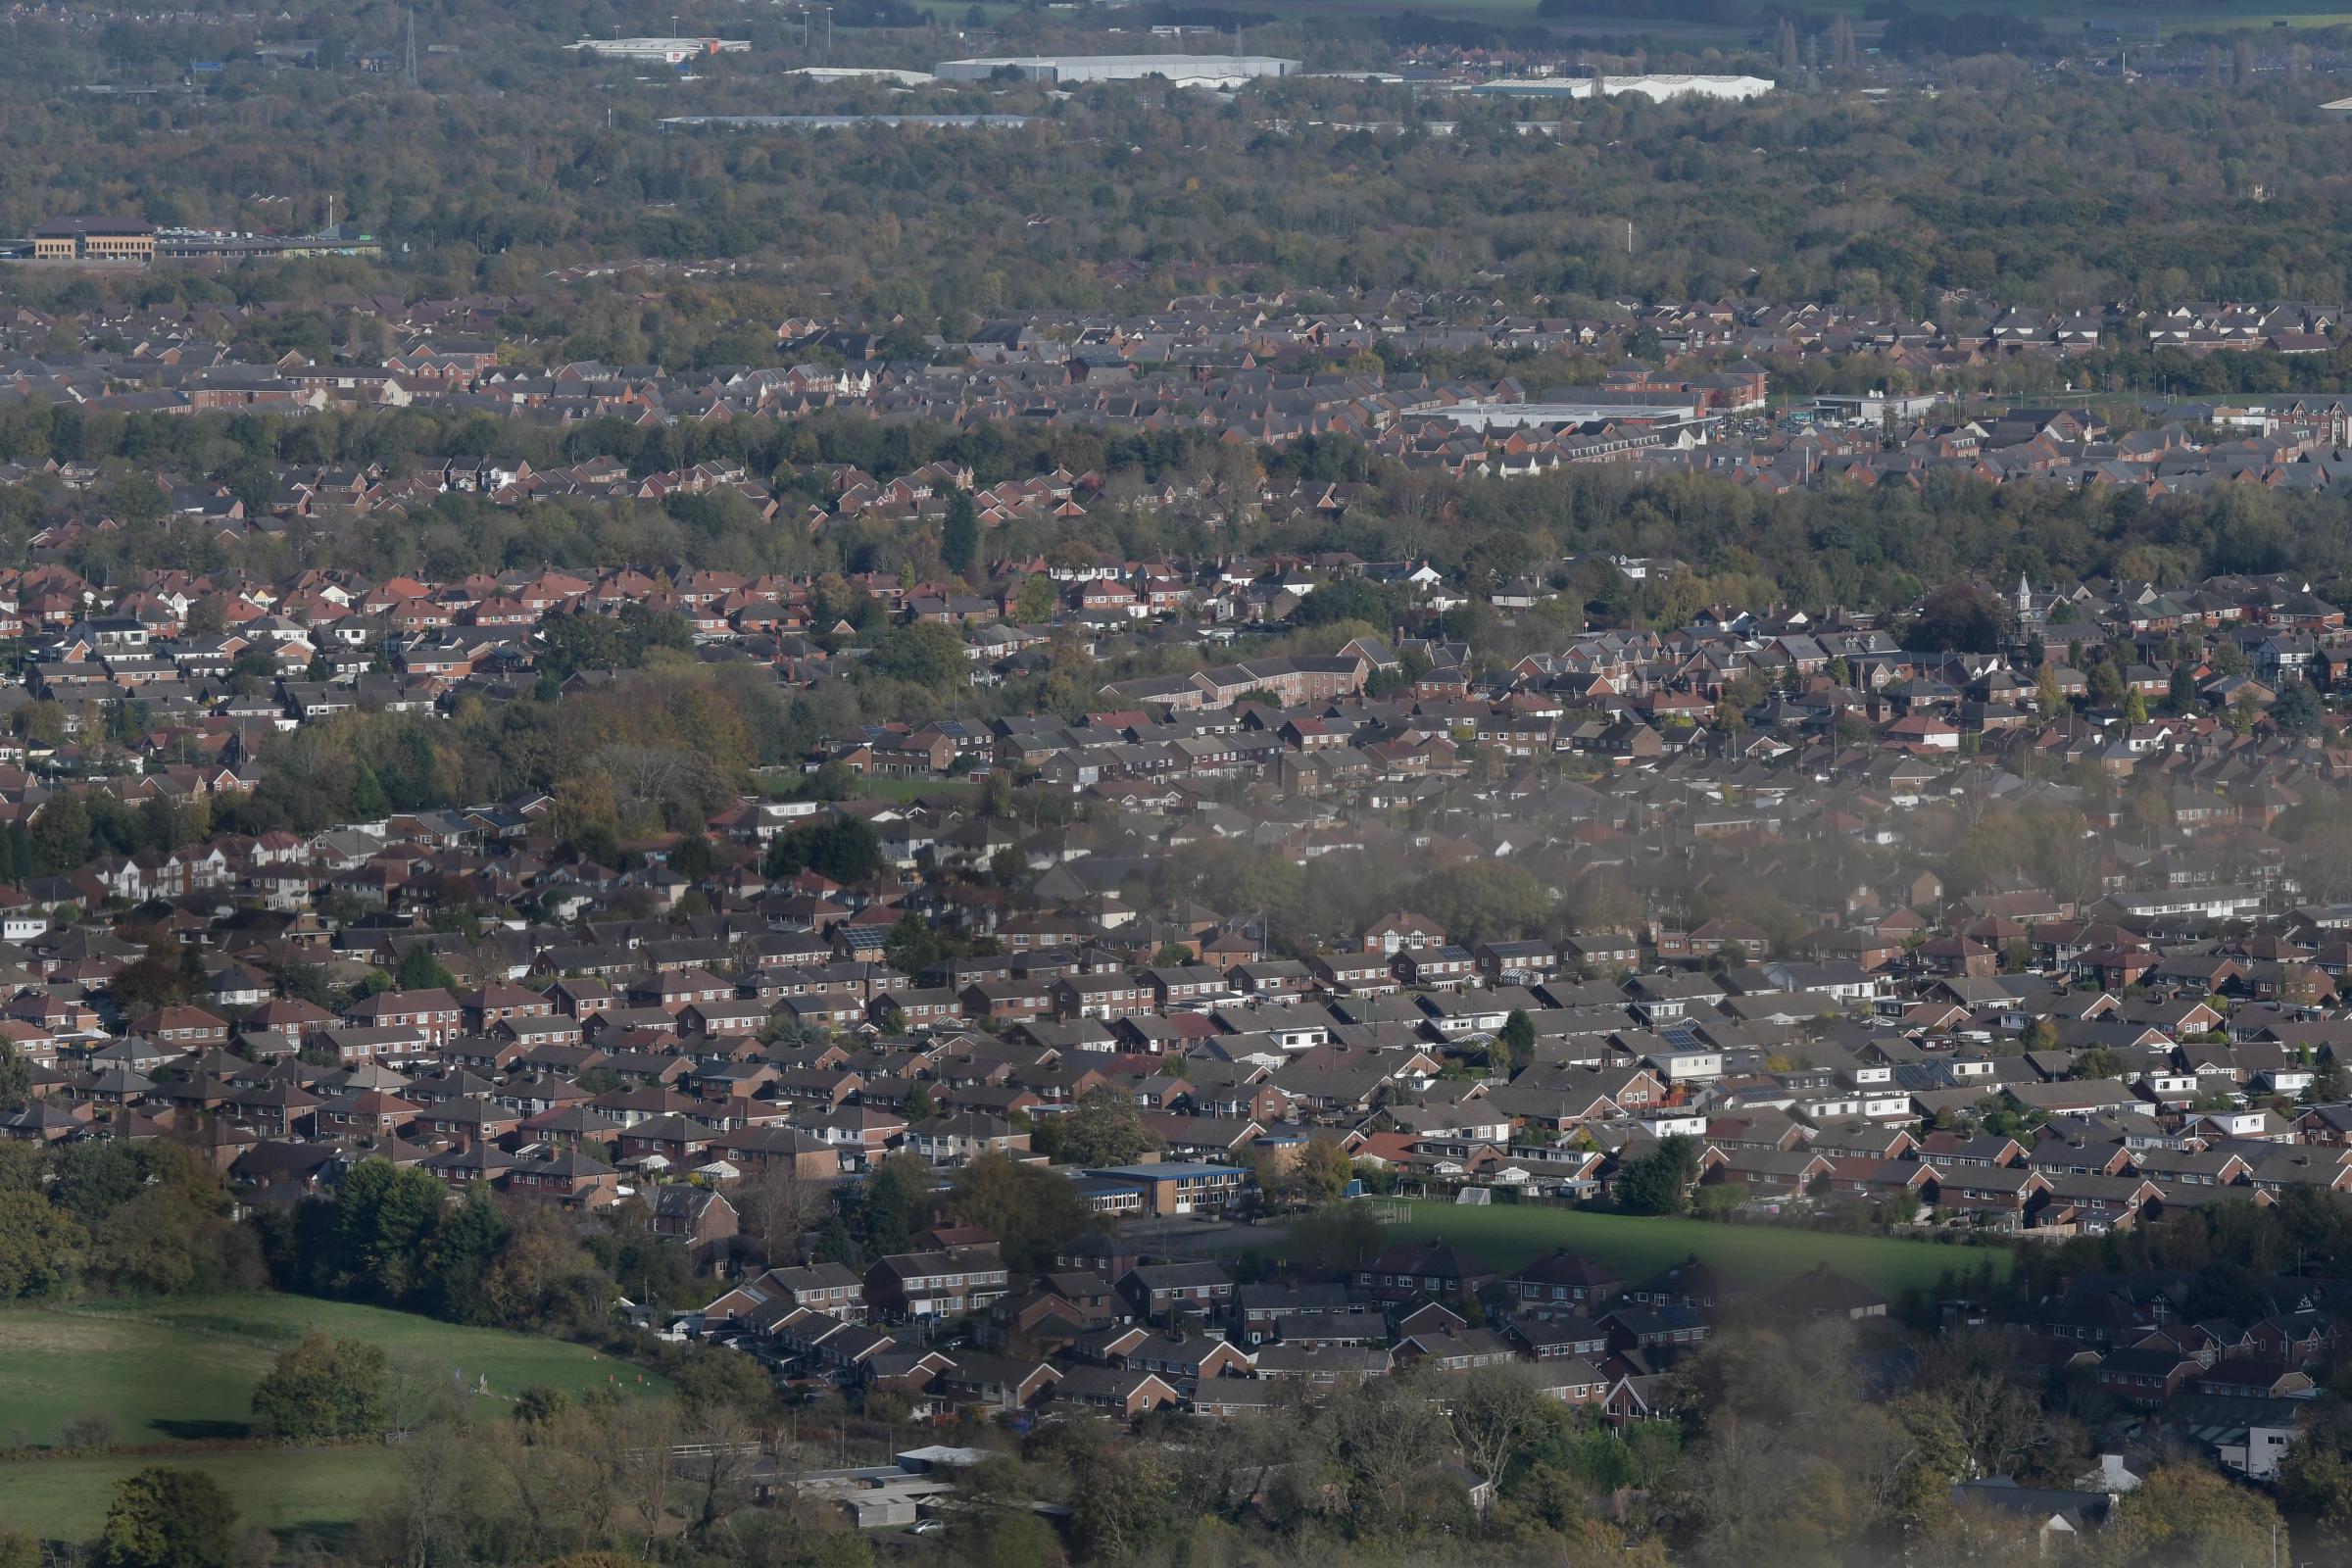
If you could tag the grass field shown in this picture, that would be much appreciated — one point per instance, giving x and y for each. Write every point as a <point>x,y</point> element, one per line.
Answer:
<point>184,1371</point>
<point>1507,1235</point>
<point>315,1492</point>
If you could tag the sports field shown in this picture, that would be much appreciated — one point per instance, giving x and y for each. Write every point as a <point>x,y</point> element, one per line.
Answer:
<point>1507,1235</point>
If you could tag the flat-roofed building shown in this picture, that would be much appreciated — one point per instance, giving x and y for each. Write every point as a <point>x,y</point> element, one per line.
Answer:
<point>1188,71</point>
<point>94,240</point>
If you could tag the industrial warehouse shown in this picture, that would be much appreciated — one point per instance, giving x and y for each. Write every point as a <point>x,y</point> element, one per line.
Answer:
<point>664,51</point>
<point>1184,71</point>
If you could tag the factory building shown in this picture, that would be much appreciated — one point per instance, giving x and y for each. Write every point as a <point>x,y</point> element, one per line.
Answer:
<point>1065,70</point>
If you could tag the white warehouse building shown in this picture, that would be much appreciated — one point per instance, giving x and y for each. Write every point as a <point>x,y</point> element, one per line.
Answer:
<point>1186,71</point>
<point>1658,87</point>
<point>668,51</point>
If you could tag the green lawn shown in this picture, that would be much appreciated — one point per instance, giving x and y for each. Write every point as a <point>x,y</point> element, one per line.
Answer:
<point>315,1492</point>
<point>183,1371</point>
<point>1507,1235</point>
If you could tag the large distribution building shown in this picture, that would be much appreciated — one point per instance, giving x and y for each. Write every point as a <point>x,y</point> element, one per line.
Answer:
<point>1187,70</point>
<point>1660,87</point>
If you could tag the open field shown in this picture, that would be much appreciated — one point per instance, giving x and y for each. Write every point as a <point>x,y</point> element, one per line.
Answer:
<point>158,1387</point>
<point>184,1370</point>
<point>315,1492</point>
<point>1507,1235</point>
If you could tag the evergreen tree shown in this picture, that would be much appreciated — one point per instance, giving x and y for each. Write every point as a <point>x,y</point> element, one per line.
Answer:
<point>421,970</point>
<point>959,534</point>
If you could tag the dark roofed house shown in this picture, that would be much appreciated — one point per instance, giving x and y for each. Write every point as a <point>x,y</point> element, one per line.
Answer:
<point>1563,1281</point>
<point>1123,1392</point>
<point>1436,1269</point>
<point>1159,1292</point>
<point>699,1216</point>
<point>2060,1518</point>
<point>1819,1293</point>
<point>942,1284</point>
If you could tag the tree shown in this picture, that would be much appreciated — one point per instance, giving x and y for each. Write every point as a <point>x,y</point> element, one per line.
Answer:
<point>1955,618</point>
<point>1336,1236</point>
<point>15,1076</point>
<point>721,1471</point>
<point>1498,1411</point>
<point>1658,1182</point>
<point>896,1201</point>
<point>41,1247</point>
<point>2190,1513</point>
<point>166,1517</point>
<point>713,1378</point>
<point>692,858</point>
<point>2047,698</point>
<point>1474,900</point>
<point>160,1241</point>
<point>2181,695</point>
<point>1104,1128</point>
<point>775,1207</point>
<point>1036,600</point>
<point>420,969</point>
<point>1385,1439</point>
<point>1993,1416</point>
<point>925,653</point>
<point>1516,1043</point>
<point>1843,53</point>
<point>383,1223</point>
<point>1029,1209</point>
<point>2298,709</point>
<point>321,1389</point>
<point>959,534</point>
<point>1323,1171</point>
<point>1120,1498</point>
<point>843,850</point>
<point>465,1245</point>
<point>2106,684</point>
<point>910,946</point>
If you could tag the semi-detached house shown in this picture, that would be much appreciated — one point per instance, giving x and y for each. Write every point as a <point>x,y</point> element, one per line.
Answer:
<point>939,1284</point>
